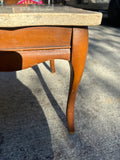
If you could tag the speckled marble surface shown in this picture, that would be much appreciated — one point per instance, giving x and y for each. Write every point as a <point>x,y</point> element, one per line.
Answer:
<point>13,16</point>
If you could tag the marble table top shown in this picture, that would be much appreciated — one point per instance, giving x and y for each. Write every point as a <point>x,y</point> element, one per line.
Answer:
<point>17,16</point>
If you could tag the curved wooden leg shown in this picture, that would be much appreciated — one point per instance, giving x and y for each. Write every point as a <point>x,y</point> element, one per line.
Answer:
<point>52,66</point>
<point>78,58</point>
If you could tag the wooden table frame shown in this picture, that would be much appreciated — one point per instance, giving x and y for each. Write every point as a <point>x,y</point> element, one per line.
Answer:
<point>25,47</point>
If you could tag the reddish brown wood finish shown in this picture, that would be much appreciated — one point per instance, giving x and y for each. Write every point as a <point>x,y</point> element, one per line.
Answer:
<point>13,61</point>
<point>52,66</point>
<point>78,58</point>
<point>32,38</point>
<point>21,48</point>
<point>11,1</point>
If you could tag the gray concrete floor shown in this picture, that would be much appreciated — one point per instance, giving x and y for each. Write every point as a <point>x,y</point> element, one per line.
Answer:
<point>33,107</point>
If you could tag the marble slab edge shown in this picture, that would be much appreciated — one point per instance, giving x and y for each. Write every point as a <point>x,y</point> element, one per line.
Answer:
<point>50,19</point>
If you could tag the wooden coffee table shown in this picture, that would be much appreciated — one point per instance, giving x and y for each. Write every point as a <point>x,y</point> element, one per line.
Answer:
<point>32,35</point>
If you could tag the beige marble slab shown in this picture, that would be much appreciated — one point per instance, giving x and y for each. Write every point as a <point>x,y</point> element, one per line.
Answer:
<point>15,16</point>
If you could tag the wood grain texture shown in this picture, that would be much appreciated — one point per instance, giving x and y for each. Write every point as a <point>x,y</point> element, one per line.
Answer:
<point>11,1</point>
<point>52,66</point>
<point>33,38</point>
<point>21,48</point>
<point>13,61</point>
<point>77,62</point>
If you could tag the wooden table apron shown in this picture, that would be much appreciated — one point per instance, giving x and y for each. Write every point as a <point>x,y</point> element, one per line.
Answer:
<point>25,47</point>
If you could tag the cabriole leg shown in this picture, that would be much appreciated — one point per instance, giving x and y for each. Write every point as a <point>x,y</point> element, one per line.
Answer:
<point>77,63</point>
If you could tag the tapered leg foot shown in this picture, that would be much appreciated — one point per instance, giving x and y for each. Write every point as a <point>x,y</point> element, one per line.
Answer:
<point>77,63</point>
<point>52,66</point>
